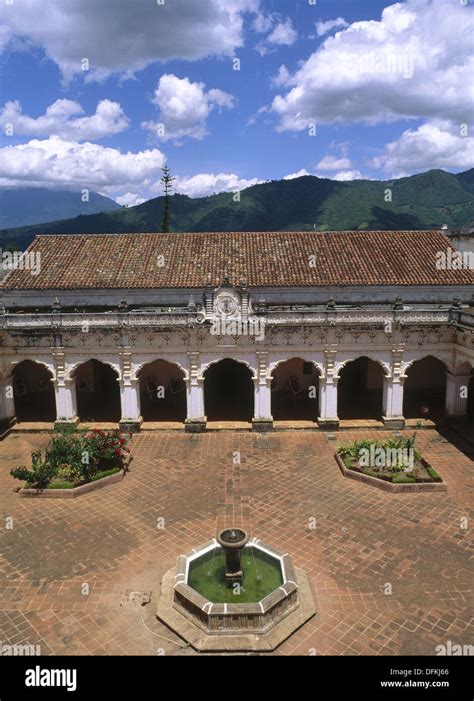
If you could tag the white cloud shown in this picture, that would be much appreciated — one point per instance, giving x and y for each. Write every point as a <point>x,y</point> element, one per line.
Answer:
<point>184,108</point>
<point>284,34</point>
<point>125,37</point>
<point>262,23</point>
<point>299,174</point>
<point>417,61</point>
<point>333,163</point>
<point>204,184</point>
<point>431,145</point>
<point>343,175</point>
<point>130,199</point>
<point>71,165</point>
<point>323,28</point>
<point>282,78</point>
<point>62,119</point>
<point>129,178</point>
<point>346,175</point>
<point>279,32</point>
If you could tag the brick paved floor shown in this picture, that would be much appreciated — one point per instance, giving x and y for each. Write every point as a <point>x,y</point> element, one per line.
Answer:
<point>67,567</point>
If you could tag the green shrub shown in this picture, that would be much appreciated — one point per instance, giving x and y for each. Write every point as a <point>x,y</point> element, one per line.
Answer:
<point>403,478</point>
<point>73,457</point>
<point>61,485</point>
<point>40,475</point>
<point>105,473</point>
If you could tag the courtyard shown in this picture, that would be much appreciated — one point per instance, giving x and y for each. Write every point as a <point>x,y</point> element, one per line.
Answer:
<point>391,573</point>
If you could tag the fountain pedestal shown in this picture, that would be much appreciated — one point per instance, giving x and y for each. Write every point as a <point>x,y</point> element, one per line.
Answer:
<point>232,540</point>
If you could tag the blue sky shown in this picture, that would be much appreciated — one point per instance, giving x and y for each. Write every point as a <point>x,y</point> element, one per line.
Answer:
<point>338,89</point>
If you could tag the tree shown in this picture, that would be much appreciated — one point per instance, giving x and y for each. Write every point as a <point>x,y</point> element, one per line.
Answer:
<point>167,182</point>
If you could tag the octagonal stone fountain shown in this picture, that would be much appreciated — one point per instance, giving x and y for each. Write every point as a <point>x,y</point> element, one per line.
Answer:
<point>234,593</point>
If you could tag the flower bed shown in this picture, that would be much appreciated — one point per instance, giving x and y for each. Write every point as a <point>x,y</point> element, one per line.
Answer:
<point>73,460</point>
<point>393,464</point>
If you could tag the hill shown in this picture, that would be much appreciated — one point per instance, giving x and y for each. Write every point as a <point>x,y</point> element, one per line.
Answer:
<point>423,201</point>
<point>26,206</point>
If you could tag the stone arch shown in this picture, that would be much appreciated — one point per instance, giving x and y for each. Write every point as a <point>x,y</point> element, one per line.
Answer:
<point>205,367</point>
<point>115,366</point>
<point>33,391</point>
<point>97,391</point>
<point>48,365</point>
<point>229,390</point>
<point>425,387</point>
<point>162,386</point>
<point>170,361</point>
<point>295,389</point>
<point>274,364</point>
<point>341,364</point>
<point>360,388</point>
<point>445,358</point>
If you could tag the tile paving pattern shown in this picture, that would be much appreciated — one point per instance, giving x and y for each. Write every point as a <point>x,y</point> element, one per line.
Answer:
<point>67,567</point>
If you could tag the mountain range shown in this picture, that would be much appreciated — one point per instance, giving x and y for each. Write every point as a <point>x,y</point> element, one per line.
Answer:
<point>424,201</point>
<point>25,206</point>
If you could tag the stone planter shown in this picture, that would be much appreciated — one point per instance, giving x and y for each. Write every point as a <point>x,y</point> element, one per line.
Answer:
<point>390,486</point>
<point>76,491</point>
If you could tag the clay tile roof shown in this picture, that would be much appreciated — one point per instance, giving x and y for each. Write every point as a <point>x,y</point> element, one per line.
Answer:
<point>268,259</point>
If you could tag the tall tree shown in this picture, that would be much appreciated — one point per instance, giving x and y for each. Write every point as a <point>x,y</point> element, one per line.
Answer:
<point>167,181</point>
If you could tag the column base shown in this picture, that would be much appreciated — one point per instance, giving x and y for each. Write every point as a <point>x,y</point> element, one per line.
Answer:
<point>66,423</point>
<point>5,426</point>
<point>394,423</point>
<point>130,425</point>
<point>195,425</point>
<point>262,425</point>
<point>328,424</point>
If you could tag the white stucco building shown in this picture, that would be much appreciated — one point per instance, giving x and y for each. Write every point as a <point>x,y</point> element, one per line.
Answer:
<point>253,327</point>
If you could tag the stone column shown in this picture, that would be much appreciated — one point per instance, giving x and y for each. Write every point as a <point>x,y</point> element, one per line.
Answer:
<point>328,418</point>
<point>196,419</point>
<point>64,390</point>
<point>456,393</point>
<point>393,386</point>
<point>7,405</point>
<point>66,403</point>
<point>131,418</point>
<point>393,402</point>
<point>263,419</point>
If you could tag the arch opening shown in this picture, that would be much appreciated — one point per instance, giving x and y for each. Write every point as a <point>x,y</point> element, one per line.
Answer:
<point>470,399</point>
<point>295,391</point>
<point>97,392</point>
<point>425,389</point>
<point>33,392</point>
<point>162,392</point>
<point>360,390</point>
<point>229,391</point>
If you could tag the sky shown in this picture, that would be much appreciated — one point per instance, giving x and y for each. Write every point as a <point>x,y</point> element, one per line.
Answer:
<point>100,95</point>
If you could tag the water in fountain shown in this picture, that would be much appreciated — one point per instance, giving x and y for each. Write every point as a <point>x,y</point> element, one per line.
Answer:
<point>261,576</point>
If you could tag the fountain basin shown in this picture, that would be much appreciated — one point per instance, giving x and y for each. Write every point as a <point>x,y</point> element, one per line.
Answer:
<point>222,616</point>
<point>270,609</point>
